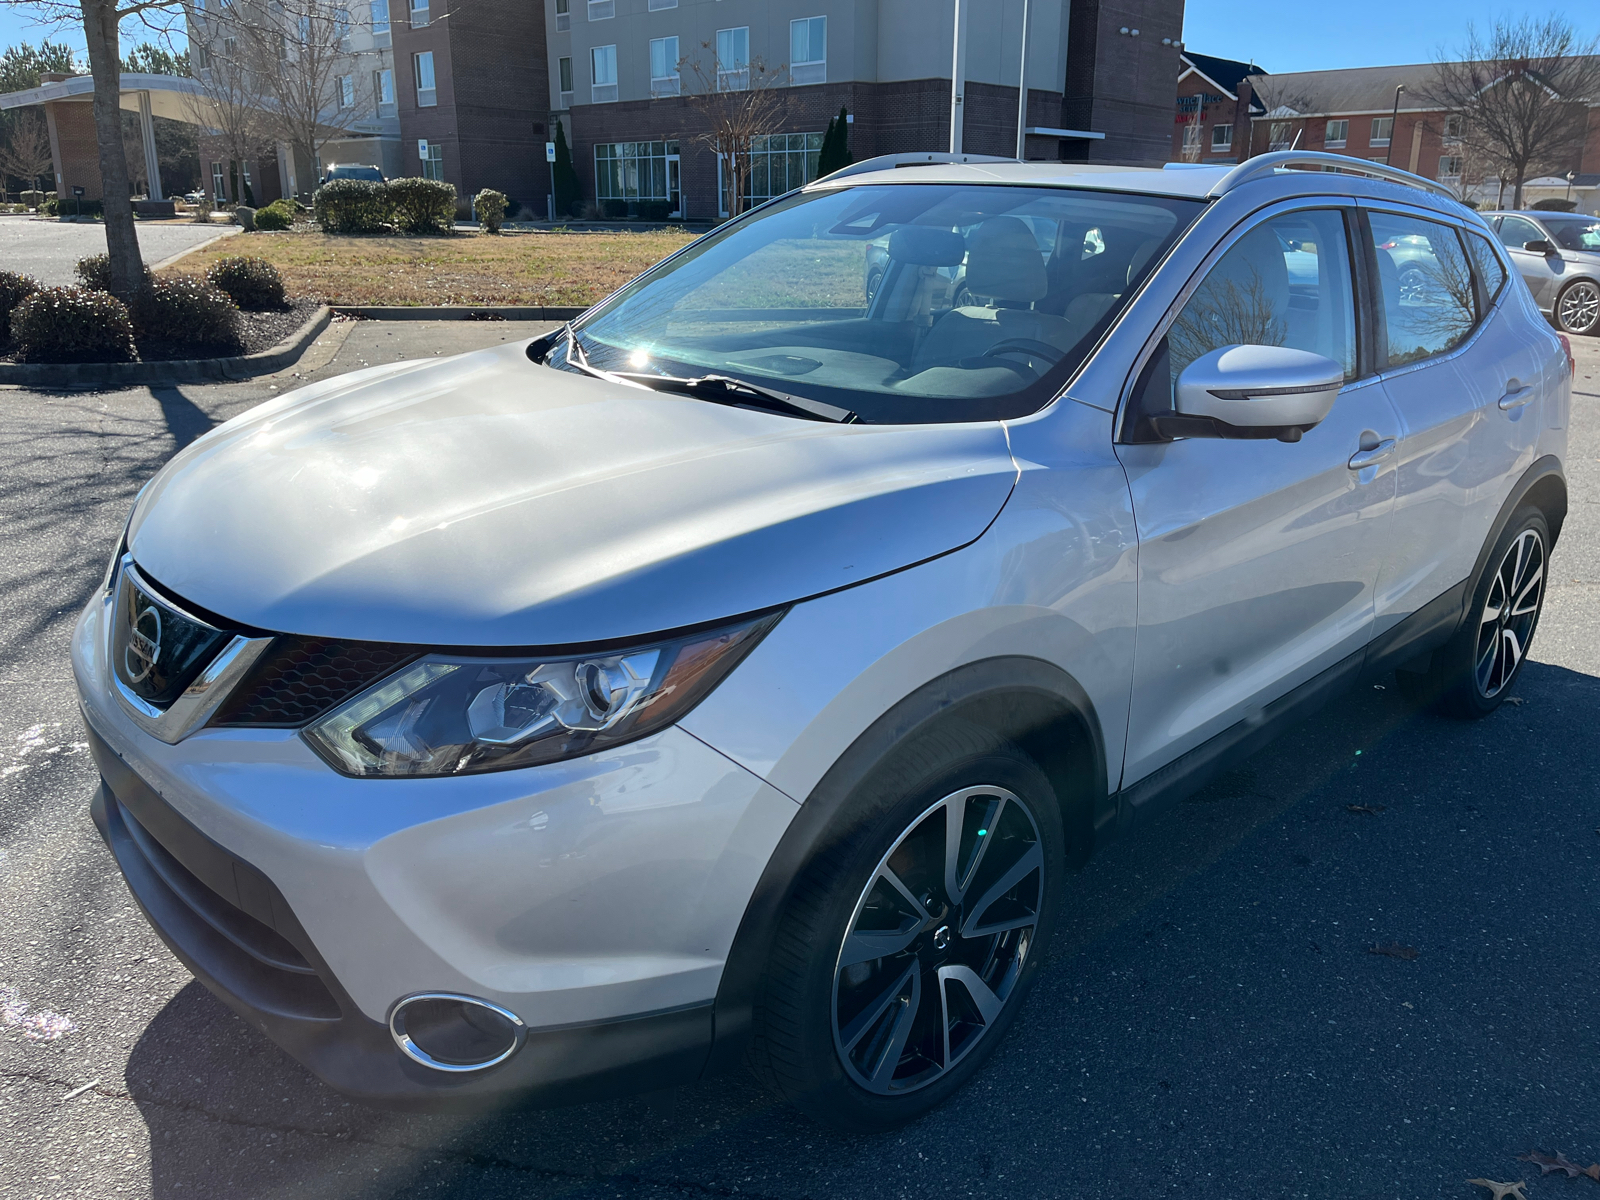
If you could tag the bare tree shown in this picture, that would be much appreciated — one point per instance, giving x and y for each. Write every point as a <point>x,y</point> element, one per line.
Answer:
<point>232,103</point>
<point>1523,91</point>
<point>740,102</point>
<point>25,154</point>
<point>102,23</point>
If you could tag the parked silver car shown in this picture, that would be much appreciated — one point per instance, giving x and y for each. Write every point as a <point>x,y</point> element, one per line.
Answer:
<point>735,673</point>
<point>1559,255</point>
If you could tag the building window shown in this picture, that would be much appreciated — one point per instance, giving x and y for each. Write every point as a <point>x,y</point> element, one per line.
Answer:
<point>602,10</point>
<point>432,156</point>
<point>219,183</point>
<point>563,15</point>
<point>603,77</point>
<point>1382,130</point>
<point>380,16</point>
<point>199,5</point>
<point>1221,138</point>
<point>664,66</point>
<point>565,73</point>
<point>733,59</point>
<point>779,163</point>
<point>1454,126</point>
<point>230,48</point>
<point>636,171</point>
<point>202,56</point>
<point>419,13</point>
<point>808,51</point>
<point>347,91</point>
<point>1450,166</point>
<point>341,24</point>
<point>1191,142</point>
<point>1279,135</point>
<point>383,85</point>
<point>1338,132</point>
<point>422,66</point>
<point>660,4</point>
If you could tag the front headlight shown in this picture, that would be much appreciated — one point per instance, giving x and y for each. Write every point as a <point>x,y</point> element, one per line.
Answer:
<point>456,714</point>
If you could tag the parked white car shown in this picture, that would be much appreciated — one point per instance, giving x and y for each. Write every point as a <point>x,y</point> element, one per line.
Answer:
<point>742,667</point>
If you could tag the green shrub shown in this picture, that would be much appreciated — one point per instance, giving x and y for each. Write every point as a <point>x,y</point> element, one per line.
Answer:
<point>423,205</point>
<point>654,210</point>
<point>95,272</point>
<point>252,283</point>
<point>352,206</point>
<point>14,289</point>
<point>71,325</point>
<point>491,208</point>
<point>275,217</point>
<point>186,312</point>
<point>71,206</point>
<point>614,210</point>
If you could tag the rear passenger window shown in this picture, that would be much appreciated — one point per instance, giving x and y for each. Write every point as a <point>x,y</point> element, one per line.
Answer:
<point>1487,263</point>
<point>1425,286</point>
<point>1284,283</point>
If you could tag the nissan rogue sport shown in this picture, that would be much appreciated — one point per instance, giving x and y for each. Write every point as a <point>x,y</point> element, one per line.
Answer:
<point>733,674</point>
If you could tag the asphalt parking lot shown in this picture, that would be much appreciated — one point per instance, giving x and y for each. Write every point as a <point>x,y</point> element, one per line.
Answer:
<point>48,250</point>
<point>1212,1024</point>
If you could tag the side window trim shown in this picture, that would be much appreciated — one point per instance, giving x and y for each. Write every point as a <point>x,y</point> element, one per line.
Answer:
<point>1128,421</point>
<point>1372,349</point>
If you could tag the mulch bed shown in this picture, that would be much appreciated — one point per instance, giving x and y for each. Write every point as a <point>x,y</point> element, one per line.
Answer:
<point>260,330</point>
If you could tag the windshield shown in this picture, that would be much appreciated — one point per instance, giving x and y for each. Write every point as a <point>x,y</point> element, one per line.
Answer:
<point>899,302</point>
<point>1574,233</point>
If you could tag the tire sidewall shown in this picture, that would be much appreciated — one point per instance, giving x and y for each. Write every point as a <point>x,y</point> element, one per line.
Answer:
<point>1467,696</point>
<point>1561,324</point>
<point>862,837</point>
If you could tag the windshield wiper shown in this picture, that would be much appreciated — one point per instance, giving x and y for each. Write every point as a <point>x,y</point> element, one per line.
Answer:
<point>540,348</point>
<point>724,389</point>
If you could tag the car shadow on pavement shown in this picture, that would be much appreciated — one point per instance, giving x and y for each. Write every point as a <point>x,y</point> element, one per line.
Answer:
<point>1221,982</point>
<point>185,419</point>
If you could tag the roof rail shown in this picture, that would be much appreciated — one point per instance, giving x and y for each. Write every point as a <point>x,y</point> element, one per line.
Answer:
<point>1267,164</point>
<point>888,162</point>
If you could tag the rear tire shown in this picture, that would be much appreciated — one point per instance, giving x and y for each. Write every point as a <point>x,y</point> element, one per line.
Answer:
<point>889,984</point>
<point>1472,674</point>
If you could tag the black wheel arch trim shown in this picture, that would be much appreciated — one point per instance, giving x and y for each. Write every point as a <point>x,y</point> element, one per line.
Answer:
<point>1028,701</point>
<point>1544,484</point>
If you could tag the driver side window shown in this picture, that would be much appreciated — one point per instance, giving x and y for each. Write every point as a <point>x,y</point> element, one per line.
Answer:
<point>1284,283</point>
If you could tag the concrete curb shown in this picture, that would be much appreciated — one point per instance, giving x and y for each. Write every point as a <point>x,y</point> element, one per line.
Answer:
<point>458,312</point>
<point>106,376</point>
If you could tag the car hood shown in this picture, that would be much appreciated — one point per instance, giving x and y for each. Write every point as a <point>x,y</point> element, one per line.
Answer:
<point>485,501</point>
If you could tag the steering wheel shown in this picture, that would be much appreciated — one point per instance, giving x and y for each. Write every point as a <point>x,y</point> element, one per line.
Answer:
<point>1029,346</point>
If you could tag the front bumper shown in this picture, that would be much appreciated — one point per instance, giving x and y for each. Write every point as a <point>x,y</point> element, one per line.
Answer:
<point>235,931</point>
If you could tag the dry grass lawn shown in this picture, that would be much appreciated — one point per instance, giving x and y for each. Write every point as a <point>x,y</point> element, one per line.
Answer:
<point>468,268</point>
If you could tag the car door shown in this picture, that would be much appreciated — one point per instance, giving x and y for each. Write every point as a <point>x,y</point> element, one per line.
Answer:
<point>1536,267</point>
<point>1257,559</point>
<point>1459,381</point>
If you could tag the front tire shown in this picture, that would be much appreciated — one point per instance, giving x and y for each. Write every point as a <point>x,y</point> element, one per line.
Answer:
<point>913,935</point>
<point>1578,307</point>
<point>1472,674</point>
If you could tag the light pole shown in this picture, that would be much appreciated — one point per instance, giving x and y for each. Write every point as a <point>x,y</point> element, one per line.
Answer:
<point>1388,155</point>
<point>958,77</point>
<point>1571,175</point>
<point>1022,85</point>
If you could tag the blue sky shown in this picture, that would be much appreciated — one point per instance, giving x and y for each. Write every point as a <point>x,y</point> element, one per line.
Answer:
<point>1282,37</point>
<point>1357,33</point>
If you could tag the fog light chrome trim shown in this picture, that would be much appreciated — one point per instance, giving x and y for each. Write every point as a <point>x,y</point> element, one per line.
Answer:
<point>397,1030</point>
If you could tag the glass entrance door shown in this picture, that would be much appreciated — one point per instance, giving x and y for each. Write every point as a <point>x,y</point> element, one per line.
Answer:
<point>674,194</point>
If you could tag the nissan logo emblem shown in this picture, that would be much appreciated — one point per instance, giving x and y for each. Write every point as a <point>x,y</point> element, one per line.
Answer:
<point>143,650</point>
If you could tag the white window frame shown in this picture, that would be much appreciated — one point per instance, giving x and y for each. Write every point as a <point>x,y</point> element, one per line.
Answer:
<point>1387,125</point>
<point>566,92</point>
<point>1336,133</point>
<point>734,78</point>
<point>1455,126</point>
<point>427,97</point>
<point>378,12</point>
<point>1448,160</point>
<point>419,14</point>
<point>1221,138</point>
<point>603,74</point>
<point>563,15</point>
<point>427,153</point>
<point>1280,135</point>
<point>668,82</point>
<point>658,5</point>
<point>602,10</point>
<point>219,183</point>
<point>803,71</point>
<point>383,85</point>
<point>347,91</point>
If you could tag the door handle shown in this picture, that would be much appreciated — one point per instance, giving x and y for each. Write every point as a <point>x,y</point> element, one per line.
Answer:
<point>1366,458</point>
<point>1517,394</point>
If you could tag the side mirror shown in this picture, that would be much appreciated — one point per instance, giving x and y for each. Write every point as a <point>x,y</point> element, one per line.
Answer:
<point>1253,392</point>
<point>1539,246</point>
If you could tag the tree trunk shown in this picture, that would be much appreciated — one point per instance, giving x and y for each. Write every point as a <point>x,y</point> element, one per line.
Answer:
<point>105,65</point>
<point>1516,199</point>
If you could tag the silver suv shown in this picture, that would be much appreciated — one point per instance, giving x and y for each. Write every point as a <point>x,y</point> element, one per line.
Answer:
<point>736,672</point>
